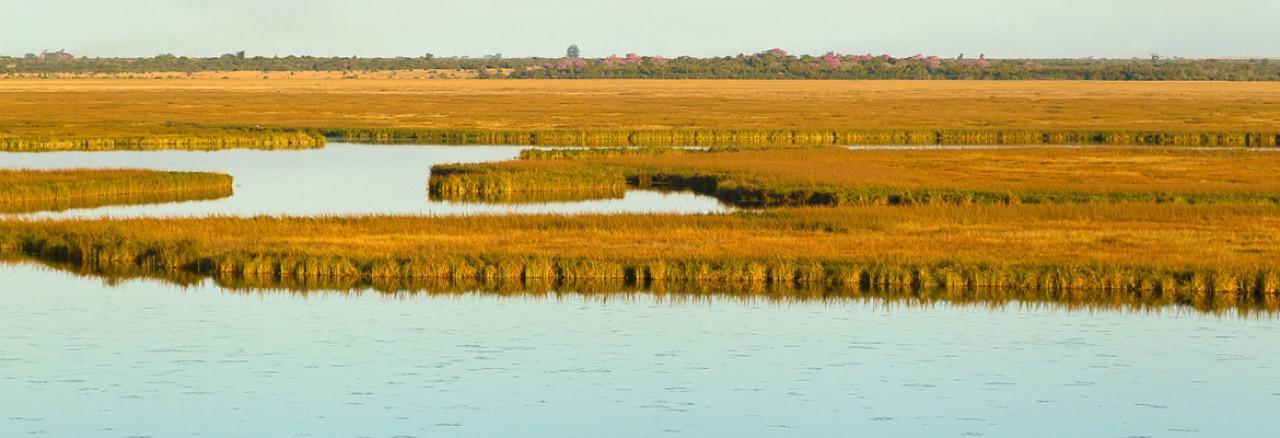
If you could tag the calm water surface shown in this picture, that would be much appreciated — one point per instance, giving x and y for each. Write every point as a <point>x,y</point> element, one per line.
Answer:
<point>143,358</point>
<point>82,358</point>
<point>341,178</point>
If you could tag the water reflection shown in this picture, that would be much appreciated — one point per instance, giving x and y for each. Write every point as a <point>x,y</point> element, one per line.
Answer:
<point>150,359</point>
<point>689,292</point>
<point>64,204</point>
<point>341,178</point>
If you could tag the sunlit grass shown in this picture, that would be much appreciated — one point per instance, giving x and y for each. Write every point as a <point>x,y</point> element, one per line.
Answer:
<point>649,112</point>
<point>839,176</point>
<point>24,191</point>
<point>1181,252</point>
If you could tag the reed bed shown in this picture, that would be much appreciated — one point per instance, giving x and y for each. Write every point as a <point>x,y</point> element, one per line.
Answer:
<point>463,182</point>
<point>1181,253</point>
<point>513,197</point>
<point>651,113</point>
<point>24,191</point>
<point>839,176</point>
<point>206,142</point>
<point>806,138</point>
<point>586,154</point>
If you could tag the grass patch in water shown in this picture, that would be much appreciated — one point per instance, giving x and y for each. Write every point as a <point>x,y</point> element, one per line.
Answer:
<point>839,176</point>
<point>25,191</point>
<point>1177,253</point>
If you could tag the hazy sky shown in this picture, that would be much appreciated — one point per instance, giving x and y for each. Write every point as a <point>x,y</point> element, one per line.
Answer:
<point>998,28</point>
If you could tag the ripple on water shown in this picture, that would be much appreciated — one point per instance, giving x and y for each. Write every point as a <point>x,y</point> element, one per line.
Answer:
<point>322,365</point>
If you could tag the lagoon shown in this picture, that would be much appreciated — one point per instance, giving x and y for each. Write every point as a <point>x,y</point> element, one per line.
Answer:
<point>339,179</point>
<point>80,356</point>
<point>91,356</point>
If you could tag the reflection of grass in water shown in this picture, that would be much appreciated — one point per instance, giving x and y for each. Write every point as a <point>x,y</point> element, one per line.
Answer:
<point>54,205</point>
<point>25,191</point>
<point>776,293</point>
<point>605,290</point>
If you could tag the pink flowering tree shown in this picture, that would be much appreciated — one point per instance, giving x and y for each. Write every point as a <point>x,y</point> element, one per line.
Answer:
<point>830,60</point>
<point>933,62</point>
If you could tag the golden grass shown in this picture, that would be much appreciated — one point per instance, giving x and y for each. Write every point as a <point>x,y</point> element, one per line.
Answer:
<point>835,176</point>
<point>1183,253</point>
<point>23,191</point>
<point>108,108</point>
<point>1125,222</point>
<point>206,139</point>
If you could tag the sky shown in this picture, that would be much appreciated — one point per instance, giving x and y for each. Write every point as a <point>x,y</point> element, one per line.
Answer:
<point>386,28</point>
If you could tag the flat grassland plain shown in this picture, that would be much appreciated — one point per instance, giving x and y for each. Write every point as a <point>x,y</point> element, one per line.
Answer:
<point>1140,225</point>
<point>109,108</point>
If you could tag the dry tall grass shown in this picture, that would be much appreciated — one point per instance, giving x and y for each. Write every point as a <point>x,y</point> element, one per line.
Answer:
<point>111,108</point>
<point>835,176</point>
<point>24,191</point>
<point>1183,252</point>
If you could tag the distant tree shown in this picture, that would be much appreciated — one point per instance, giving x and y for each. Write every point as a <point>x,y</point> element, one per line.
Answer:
<point>240,54</point>
<point>768,64</point>
<point>572,52</point>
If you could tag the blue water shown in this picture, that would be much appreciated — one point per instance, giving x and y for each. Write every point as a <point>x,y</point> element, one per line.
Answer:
<point>79,357</point>
<point>87,357</point>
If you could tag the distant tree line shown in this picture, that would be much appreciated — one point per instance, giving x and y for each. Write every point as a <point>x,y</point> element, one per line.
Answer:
<point>769,64</point>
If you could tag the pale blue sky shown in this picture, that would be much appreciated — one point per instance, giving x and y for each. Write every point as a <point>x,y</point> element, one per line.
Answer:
<point>998,28</point>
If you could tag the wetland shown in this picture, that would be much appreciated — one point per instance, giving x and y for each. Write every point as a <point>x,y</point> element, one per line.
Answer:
<point>727,268</point>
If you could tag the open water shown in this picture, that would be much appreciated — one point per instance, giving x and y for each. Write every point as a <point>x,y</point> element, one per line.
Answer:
<point>87,357</point>
<point>341,178</point>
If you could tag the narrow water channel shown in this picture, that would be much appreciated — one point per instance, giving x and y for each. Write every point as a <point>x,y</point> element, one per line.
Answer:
<point>341,178</point>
